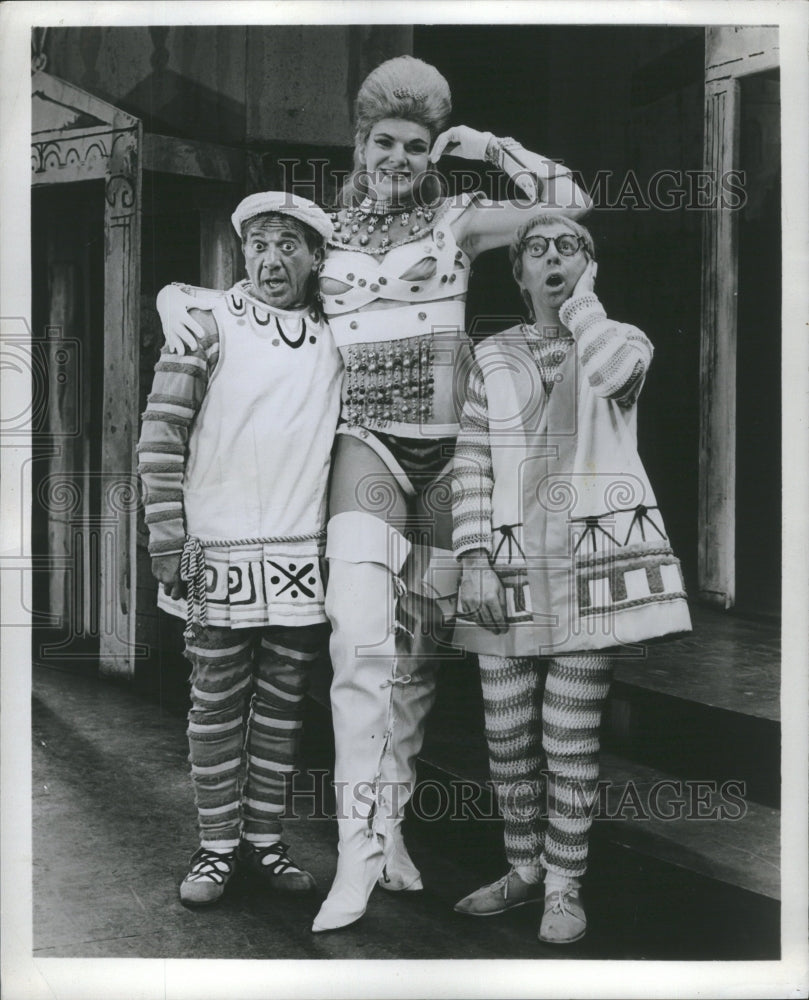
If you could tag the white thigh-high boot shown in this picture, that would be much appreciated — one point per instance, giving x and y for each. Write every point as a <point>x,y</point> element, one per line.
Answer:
<point>365,557</point>
<point>411,704</point>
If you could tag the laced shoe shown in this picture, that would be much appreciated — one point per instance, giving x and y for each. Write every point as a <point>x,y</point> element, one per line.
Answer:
<point>564,920</point>
<point>207,877</point>
<point>273,867</point>
<point>506,893</point>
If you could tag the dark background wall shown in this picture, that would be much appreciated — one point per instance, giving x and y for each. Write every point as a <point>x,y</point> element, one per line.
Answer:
<point>605,99</point>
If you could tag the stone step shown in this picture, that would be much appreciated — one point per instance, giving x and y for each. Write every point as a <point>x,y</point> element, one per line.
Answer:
<point>712,830</point>
<point>728,663</point>
<point>698,827</point>
<point>705,706</point>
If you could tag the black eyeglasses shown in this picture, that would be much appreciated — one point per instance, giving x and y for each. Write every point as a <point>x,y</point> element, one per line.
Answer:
<point>566,244</point>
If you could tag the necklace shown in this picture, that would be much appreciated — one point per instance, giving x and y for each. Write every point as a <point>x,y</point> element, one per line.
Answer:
<point>385,206</point>
<point>376,226</point>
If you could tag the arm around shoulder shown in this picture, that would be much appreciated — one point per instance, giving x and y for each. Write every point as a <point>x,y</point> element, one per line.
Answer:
<point>175,303</point>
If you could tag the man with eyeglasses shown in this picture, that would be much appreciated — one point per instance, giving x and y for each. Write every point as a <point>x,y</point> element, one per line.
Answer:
<point>564,557</point>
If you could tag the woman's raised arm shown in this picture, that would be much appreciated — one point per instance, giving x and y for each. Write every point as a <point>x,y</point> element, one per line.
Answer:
<point>548,187</point>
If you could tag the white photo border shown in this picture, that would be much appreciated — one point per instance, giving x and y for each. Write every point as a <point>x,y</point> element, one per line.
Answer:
<point>25,977</point>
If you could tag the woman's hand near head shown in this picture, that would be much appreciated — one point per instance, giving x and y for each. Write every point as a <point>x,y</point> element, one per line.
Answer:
<point>460,140</point>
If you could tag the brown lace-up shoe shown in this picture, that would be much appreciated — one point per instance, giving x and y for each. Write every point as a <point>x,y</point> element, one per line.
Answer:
<point>504,894</point>
<point>564,920</point>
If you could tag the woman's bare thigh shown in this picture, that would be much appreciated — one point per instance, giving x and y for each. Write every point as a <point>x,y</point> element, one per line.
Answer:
<point>360,481</point>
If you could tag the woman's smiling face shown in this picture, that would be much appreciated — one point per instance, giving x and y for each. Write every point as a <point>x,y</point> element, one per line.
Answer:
<point>394,155</point>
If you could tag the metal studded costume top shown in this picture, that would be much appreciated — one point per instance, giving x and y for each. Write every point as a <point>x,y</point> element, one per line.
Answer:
<point>398,321</point>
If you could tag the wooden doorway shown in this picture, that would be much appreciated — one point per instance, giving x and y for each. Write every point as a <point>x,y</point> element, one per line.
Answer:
<point>67,230</point>
<point>739,460</point>
<point>758,350</point>
<point>86,173</point>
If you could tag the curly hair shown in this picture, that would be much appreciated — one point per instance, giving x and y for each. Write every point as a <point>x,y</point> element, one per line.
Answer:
<point>406,88</point>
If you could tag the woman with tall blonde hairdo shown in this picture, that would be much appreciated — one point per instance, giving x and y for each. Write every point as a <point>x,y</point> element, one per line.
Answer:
<point>393,288</point>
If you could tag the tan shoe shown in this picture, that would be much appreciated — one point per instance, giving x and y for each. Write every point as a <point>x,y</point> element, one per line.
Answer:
<point>564,920</point>
<point>208,875</point>
<point>505,894</point>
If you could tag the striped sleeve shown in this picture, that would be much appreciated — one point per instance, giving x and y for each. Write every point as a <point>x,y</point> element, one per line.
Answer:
<point>473,479</point>
<point>614,356</point>
<point>179,386</point>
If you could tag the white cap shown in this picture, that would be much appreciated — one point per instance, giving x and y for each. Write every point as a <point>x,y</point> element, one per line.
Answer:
<point>282,203</point>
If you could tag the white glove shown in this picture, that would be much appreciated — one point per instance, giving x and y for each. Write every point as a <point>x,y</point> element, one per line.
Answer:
<point>461,141</point>
<point>180,330</point>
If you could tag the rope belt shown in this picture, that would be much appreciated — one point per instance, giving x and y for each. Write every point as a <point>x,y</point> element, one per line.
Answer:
<point>215,543</point>
<point>192,573</point>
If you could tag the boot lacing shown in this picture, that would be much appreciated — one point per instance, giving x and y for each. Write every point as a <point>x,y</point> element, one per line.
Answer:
<point>401,679</point>
<point>390,682</point>
<point>398,628</point>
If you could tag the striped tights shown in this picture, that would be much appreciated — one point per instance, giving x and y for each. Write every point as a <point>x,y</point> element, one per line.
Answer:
<point>254,679</point>
<point>543,771</point>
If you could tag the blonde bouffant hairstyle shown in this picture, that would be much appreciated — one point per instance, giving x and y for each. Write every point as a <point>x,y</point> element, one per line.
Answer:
<point>403,87</point>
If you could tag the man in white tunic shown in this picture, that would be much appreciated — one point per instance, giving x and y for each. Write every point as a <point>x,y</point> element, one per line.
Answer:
<point>234,456</point>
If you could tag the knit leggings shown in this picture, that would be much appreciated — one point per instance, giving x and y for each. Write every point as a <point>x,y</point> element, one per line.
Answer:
<point>543,774</point>
<point>255,679</point>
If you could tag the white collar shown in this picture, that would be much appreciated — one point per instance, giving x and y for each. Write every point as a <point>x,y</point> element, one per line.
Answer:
<point>245,289</point>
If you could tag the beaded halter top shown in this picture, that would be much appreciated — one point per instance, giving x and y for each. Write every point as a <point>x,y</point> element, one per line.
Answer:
<point>399,336</point>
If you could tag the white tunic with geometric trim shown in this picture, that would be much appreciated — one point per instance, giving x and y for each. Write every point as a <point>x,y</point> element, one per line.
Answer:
<point>258,462</point>
<point>582,550</point>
